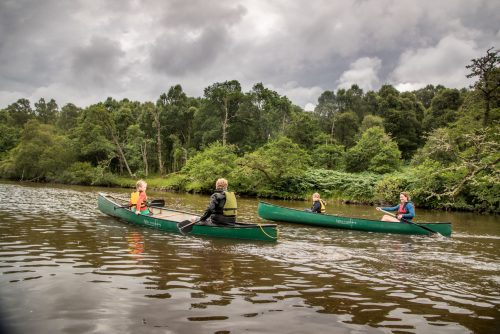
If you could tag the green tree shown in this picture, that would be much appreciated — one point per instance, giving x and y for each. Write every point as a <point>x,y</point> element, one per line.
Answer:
<point>9,137</point>
<point>262,115</point>
<point>355,101</point>
<point>68,117</point>
<point>487,70</point>
<point>328,156</point>
<point>137,143</point>
<point>94,146</point>
<point>374,152</point>
<point>20,112</point>
<point>346,128</point>
<point>40,155</point>
<point>47,112</point>
<point>443,110</point>
<point>326,110</point>
<point>404,127</point>
<point>203,169</point>
<point>225,99</point>
<point>426,94</point>
<point>440,147</point>
<point>271,166</point>
<point>304,130</point>
<point>172,115</point>
<point>369,121</point>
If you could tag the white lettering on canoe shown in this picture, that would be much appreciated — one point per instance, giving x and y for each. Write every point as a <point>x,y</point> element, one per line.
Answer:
<point>153,224</point>
<point>344,221</point>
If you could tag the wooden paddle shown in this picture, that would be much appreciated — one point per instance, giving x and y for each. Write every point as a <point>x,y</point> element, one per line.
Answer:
<point>186,226</point>
<point>410,222</point>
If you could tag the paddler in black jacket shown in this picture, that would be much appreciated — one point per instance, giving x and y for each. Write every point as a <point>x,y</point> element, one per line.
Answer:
<point>222,208</point>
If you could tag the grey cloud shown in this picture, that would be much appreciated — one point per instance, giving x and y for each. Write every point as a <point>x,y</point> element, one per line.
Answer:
<point>28,59</point>
<point>177,53</point>
<point>95,48</point>
<point>98,63</point>
<point>200,13</point>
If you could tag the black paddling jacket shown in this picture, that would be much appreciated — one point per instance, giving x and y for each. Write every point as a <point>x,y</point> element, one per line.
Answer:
<point>215,209</point>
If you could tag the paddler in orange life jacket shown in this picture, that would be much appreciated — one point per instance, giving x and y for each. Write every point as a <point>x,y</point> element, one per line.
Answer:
<point>405,210</point>
<point>138,199</point>
<point>222,208</point>
<point>318,206</point>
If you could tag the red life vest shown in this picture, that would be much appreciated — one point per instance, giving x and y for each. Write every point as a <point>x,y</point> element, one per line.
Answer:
<point>402,209</point>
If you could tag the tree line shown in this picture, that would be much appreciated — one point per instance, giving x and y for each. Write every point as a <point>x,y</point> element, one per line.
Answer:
<point>439,143</point>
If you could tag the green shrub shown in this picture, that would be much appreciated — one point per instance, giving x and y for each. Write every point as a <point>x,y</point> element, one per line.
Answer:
<point>78,173</point>
<point>207,166</point>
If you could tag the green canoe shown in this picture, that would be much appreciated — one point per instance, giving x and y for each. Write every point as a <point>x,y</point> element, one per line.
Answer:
<point>279,213</point>
<point>171,220</point>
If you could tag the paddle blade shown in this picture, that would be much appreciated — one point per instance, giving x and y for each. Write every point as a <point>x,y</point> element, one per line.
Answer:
<point>157,202</point>
<point>185,226</point>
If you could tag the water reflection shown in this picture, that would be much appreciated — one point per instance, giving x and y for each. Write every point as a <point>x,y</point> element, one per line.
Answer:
<point>102,275</point>
<point>136,244</point>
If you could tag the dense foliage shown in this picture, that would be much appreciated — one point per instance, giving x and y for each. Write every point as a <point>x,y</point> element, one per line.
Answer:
<point>440,144</point>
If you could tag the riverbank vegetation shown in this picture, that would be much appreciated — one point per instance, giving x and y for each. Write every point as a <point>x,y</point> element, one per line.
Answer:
<point>438,143</point>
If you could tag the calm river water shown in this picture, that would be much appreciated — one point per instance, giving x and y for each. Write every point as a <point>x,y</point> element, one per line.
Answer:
<point>67,268</point>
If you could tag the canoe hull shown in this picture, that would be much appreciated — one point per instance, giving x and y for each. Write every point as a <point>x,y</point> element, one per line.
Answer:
<point>278,213</point>
<point>264,232</point>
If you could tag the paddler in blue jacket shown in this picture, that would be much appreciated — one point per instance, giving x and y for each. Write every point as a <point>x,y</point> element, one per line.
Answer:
<point>405,210</point>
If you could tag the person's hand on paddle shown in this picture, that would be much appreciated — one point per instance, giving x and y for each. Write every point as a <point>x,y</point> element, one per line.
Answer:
<point>399,216</point>
<point>378,208</point>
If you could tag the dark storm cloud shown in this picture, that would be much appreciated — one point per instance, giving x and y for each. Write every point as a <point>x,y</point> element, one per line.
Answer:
<point>178,53</point>
<point>82,51</point>
<point>97,64</point>
<point>196,33</point>
<point>27,58</point>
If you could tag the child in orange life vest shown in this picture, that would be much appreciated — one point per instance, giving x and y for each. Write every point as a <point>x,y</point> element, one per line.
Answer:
<point>138,198</point>
<point>319,206</point>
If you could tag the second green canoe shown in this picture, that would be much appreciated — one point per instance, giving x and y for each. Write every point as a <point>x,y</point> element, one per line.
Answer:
<point>279,213</point>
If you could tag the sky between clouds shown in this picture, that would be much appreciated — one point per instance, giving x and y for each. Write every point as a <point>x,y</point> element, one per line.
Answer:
<point>83,51</point>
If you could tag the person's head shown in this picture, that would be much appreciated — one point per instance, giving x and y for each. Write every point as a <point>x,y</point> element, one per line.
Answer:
<point>316,197</point>
<point>221,184</point>
<point>404,197</point>
<point>141,185</point>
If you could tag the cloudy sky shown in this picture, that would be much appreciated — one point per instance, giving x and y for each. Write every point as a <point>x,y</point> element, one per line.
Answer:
<point>83,51</point>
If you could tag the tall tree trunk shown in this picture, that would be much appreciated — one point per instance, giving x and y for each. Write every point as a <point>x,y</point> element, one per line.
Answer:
<point>224,123</point>
<point>158,144</point>
<point>332,130</point>
<point>122,155</point>
<point>486,118</point>
<point>144,152</point>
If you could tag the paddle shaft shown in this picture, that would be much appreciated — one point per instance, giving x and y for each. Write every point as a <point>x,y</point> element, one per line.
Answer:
<point>407,221</point>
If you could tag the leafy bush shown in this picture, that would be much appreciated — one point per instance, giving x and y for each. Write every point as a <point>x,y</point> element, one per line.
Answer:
<point>341,185</point>
<point>387,190</point>
<point>207,166</point>
<point>329,156</point>
<point>40,155</point>
<point>374,152</point>
<point>271,167</point>
<point>78,173</point>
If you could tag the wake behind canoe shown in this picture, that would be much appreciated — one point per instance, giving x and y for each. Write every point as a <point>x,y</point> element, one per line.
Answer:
<point>279,213</point>
<point>168,220</point>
